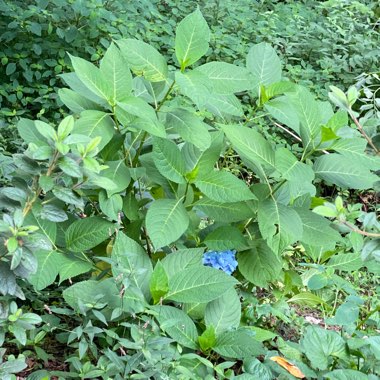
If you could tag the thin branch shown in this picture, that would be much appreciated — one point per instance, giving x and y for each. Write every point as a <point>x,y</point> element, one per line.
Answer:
<point>362,131</point>
<point>364,233</point>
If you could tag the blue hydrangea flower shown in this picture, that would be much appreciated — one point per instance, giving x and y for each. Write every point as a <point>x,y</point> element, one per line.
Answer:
<point>223,260</point>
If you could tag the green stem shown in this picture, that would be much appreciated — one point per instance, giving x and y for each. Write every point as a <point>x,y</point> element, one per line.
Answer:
<point>364,321</point>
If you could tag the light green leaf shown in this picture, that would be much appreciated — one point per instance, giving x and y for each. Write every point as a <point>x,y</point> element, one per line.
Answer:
<point>94,124</point>
<point>279,225</point>
<point>198,284</point>
<point>87,233</point>
<point>250,144</point>
<point>222,105</point>
<point>166,221</point>
<point>226,78</point>
<point>260,265</point>
<point>28,131</point>
<point>179,260</point>
<point>159,284</point>
<point>144,59</point>
<point>221,212</point>
<point>192,38</point>
<point>76,102</point>
<point>343,171</point>
<point>224,312</point>
<point>71,266</point>
<point>68,196</point>
<point>322,345</point>
<point>91,77</point>
<point>168,160</point>
<point>70,167</point>
<point>189,127</point>
<point>264,64</point>
<point>346,374</point>
<point>131,262</point>
<point>346,262</point>
<point>225,237</point>
<point>115,70</point>
<point>307,109</point>
<point>178,325</point>
<point>223,186</point>
<point>238,344</point>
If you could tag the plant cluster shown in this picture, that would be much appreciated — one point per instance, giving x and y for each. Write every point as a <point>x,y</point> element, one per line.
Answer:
<point>147,257</point>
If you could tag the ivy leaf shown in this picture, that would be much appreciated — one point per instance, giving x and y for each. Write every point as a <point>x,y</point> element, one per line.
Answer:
<point>259,265</point>
<point>144,59</point>
<point>166,221</point>
<point>224,312</point>
<point>87,233</point>
<point>198,284</point>
<point>192,38</point>
<point>279,225</point>
<point>223,186</point>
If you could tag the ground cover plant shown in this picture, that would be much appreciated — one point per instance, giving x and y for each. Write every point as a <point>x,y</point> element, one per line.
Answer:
<point>159,231</point>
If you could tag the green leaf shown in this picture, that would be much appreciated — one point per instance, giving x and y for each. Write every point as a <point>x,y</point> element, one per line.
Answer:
<point>168,160</point>
<point>144,59</point>
<point>137,107</point>
<point>306,298</point>
<point>76,102</point>
<point>224,313</point>
<point>71,266</point>
<point>309,115</point>
<point>92,78</point>
<point>221,105</point>
<point>279,225</point>
<point>94,124</point>
<point>166,221</point>
<point>316,229</point>
<point>264,64</point>
<point>238,344</point>
<point>349,262</point>
<point>198,284</point>
<point>48,268</point>
<point>110,206</point>
<point>178,325</point>
<point>46,130</point>
<point>68,196</point>
<point>131,262</point>
<point>190,127</point>
<point>260,265</point>
<point>70,167</point>
<point>115,70</point>
<point>192,38</point>
<point>343,171</point>
<point>208,339</point>
<point>290,168</point>
<point>250,144</point>
<point>159,282</point>
<point>28,131</point>
<point>321,346</point>
<point>223,186</point>
<point>225,237</point>
<point>346,374</point>
<point>153,127</point>
<point>226,78</point>
<point>281,109</point>
<point>184,258</point>
<point>119,174</point>
<point>87,233</point>
<point>222,212</point>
